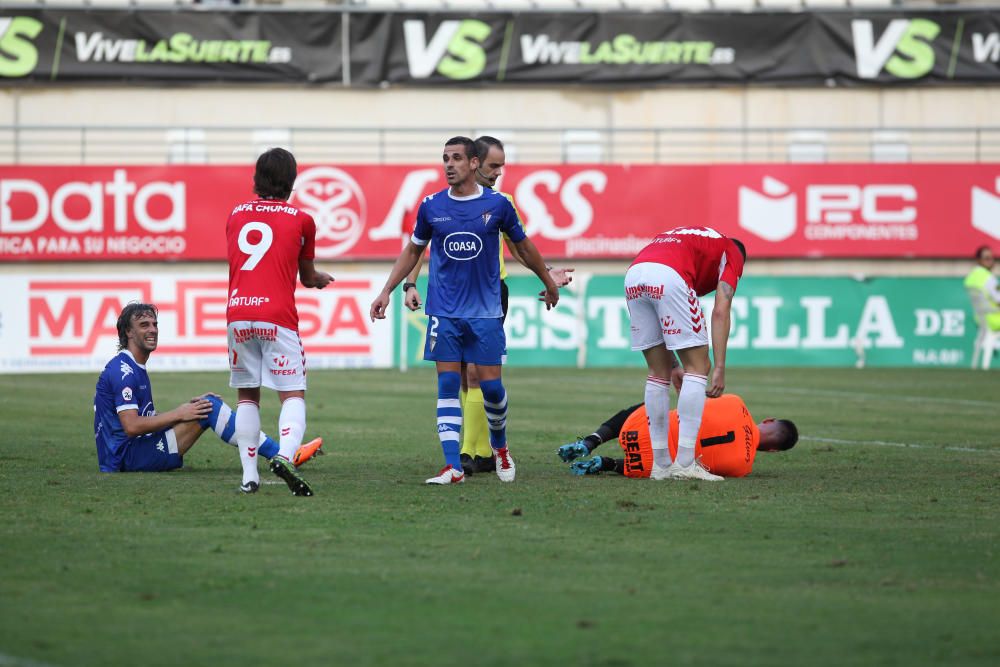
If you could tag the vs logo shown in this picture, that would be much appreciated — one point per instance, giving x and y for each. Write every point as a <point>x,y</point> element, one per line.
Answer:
<point>18,56</point>
<point>455,51</point>
<point>904,50</point>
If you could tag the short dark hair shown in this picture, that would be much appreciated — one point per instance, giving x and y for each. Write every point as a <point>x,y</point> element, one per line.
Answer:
<point>483,145</point>
<point>980,250</point>
<point>742,248</point>
<point>275,174</point>
<point>129,313</point>
<point>469,144</point>
<point>790,433</point>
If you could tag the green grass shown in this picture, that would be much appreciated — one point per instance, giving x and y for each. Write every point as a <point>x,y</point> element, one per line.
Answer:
<point>841,551</point>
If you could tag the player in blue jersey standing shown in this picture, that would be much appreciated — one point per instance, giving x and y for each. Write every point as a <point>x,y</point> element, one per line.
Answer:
<point>130,435</point>
<point>463,224</point>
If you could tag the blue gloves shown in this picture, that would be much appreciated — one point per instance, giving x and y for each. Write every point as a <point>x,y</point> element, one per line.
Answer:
<point>573,450</point>
<point>587,467</point>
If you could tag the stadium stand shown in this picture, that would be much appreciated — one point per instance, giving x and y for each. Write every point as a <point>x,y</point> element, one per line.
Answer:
<point>132,125</point>
<point>582,146</point>
<point>97,144</point>
<point>807,146</point>
<point>890,146</point>
<point>524,5</point>
<point>479,5</point>
<point>186,146</point>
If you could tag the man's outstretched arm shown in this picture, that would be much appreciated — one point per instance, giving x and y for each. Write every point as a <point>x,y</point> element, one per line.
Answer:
<point>533,260</point>
<point>404,264</point>
<point>310,277</point>
<point>597,465</point>
<point>559,275</point>
<point>609,430</point>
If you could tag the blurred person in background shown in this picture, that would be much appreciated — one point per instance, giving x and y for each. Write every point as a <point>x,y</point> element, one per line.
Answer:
<point>984,289</point>
<point>984,294</point>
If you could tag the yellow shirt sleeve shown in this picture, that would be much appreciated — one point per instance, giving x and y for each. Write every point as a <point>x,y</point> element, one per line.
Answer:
<point>503,266</point>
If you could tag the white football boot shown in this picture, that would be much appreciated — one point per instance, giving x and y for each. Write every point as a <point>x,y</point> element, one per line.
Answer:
<point>505,465</point>
<point>662,472</point>
<point>447,475</point>
<point>694,471</point>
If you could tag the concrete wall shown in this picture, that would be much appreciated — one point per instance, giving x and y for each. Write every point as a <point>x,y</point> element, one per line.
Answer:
<point>714,119</point>
<point>507,107</point>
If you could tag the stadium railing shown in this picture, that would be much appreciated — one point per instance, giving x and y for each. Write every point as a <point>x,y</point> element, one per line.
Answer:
<point>52,144</point>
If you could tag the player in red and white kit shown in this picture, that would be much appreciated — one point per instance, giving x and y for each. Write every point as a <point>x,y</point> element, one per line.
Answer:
<point>662,287</point>
<point>269,242</point>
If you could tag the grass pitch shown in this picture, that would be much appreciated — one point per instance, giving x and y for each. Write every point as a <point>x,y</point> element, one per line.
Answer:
<point>874,541</point>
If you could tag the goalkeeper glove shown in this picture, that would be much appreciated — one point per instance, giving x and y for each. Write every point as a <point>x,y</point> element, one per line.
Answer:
<point>589,467</point>
<point>573,450</point>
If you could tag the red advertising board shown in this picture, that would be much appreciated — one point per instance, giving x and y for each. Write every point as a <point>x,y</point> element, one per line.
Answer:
<point>130,213</point>
<point>58,321</point>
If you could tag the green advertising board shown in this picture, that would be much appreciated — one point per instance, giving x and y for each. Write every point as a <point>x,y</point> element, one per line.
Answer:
<point>776,321</point>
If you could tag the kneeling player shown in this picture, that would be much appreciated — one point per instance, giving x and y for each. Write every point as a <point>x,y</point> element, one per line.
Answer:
<point>130,435</point>
<point>727,442</point>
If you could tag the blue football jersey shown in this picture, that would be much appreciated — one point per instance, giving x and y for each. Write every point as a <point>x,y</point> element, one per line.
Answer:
<point>464,233</point>
<point>123,385</point>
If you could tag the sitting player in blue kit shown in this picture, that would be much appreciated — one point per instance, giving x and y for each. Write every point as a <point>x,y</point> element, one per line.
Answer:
<point>130,435</point>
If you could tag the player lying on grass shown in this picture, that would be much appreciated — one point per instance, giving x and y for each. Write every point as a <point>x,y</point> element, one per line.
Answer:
<point>727,441</point>
<point>130,435</point>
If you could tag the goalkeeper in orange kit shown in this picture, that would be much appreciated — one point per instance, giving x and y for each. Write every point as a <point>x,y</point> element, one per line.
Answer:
<point>727,443</point>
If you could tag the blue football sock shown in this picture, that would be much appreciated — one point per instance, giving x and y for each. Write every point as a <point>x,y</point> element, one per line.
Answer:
<point>222,420</point>
<point>449,418</point>
<point>495,402</point>
<point>268,448</point>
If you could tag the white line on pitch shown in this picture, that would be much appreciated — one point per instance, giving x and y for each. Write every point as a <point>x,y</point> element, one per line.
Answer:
<point>14,661</point>
<point>866,396</point>
<point>905,445</point>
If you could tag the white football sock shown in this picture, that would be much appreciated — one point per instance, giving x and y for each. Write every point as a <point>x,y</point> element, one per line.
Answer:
<point>657,410</point>
<point>291,426</point>
<point>248,438</point>
<point>690,406</point>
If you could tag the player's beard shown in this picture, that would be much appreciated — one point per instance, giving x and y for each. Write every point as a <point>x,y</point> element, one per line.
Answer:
<point>148,345</point>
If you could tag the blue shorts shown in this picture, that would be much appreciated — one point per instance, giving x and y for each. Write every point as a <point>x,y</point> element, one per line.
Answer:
<point>153,452</point>
<point>479,340</point>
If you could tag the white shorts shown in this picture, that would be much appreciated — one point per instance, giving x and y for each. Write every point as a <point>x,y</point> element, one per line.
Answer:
<point>663,309</point>
<point>264,354</point>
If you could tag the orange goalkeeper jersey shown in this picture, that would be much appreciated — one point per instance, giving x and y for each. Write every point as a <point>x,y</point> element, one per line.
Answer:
<point>727,441</point>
